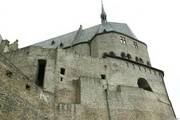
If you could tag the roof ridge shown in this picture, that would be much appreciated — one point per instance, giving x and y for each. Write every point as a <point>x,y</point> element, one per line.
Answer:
<point>84,35</point>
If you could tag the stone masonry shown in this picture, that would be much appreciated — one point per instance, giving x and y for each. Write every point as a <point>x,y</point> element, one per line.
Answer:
<point>99,73</point>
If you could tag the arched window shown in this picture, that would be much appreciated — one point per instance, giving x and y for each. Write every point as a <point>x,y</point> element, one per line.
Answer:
<point>104,55</point>
<point>128,56</point>
<point>123,55</point>
<point>148,63</point>
<point>141,60</point>
<point>137,59</point>
<point>142,83</point>
<point>112,53</point>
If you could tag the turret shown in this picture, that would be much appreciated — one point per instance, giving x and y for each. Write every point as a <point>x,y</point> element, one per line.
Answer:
<point>5,45</point>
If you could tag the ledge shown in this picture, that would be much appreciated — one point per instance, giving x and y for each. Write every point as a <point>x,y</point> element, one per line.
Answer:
<point>116,57</point>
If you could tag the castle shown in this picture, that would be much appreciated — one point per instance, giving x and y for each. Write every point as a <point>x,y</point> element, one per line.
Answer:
<point>99,73</point>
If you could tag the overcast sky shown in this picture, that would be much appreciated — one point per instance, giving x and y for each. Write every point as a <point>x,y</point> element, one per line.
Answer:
<point>155,22</point>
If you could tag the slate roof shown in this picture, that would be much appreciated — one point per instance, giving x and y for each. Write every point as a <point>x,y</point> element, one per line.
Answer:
<point>85,35</point>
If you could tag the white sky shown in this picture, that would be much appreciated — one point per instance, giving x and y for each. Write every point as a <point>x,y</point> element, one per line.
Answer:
<point>155,22</point>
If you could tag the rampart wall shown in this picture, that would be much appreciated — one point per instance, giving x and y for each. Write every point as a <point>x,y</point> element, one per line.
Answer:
<point>20,98</point>
<point>80,92</point>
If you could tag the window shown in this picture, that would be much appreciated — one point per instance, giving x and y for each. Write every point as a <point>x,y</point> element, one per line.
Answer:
<point>27,52</point>
<point>122,40</point>
<point>112,53</point>
<point>137,59</point>
<point>28,87</point>
<point>140,60</point>
<point>61,44</point>
<point>103,76</point>
<point>104,55</point>
<point>128,56</point>
<point>135,44</point>
<point>9,73</point>
<point>52,42</point>
<point>41,72</point>
<point>119,88</point>
<point>148,63</point>
<point>62,71</point>
<point>123,55</point>
<point>142,83</point>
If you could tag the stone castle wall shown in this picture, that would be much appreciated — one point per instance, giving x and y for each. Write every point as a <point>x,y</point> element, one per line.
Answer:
<point>26,59</point>
<point>118,43</point>
<point>5,46</point>
<point>112,42</point>
<point>77,66</point>
<point>106,78</point>
<point>19,98</point>
<point>81,93</point>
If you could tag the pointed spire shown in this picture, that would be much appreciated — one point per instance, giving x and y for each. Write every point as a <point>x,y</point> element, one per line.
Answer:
<point>103,14</point>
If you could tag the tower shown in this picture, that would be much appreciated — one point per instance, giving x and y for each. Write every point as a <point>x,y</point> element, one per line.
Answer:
<point>100,73</point>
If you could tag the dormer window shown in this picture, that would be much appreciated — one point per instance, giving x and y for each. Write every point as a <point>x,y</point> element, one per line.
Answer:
<point>52,42</point>
<point>61,44</point>
<point>104,31</point>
